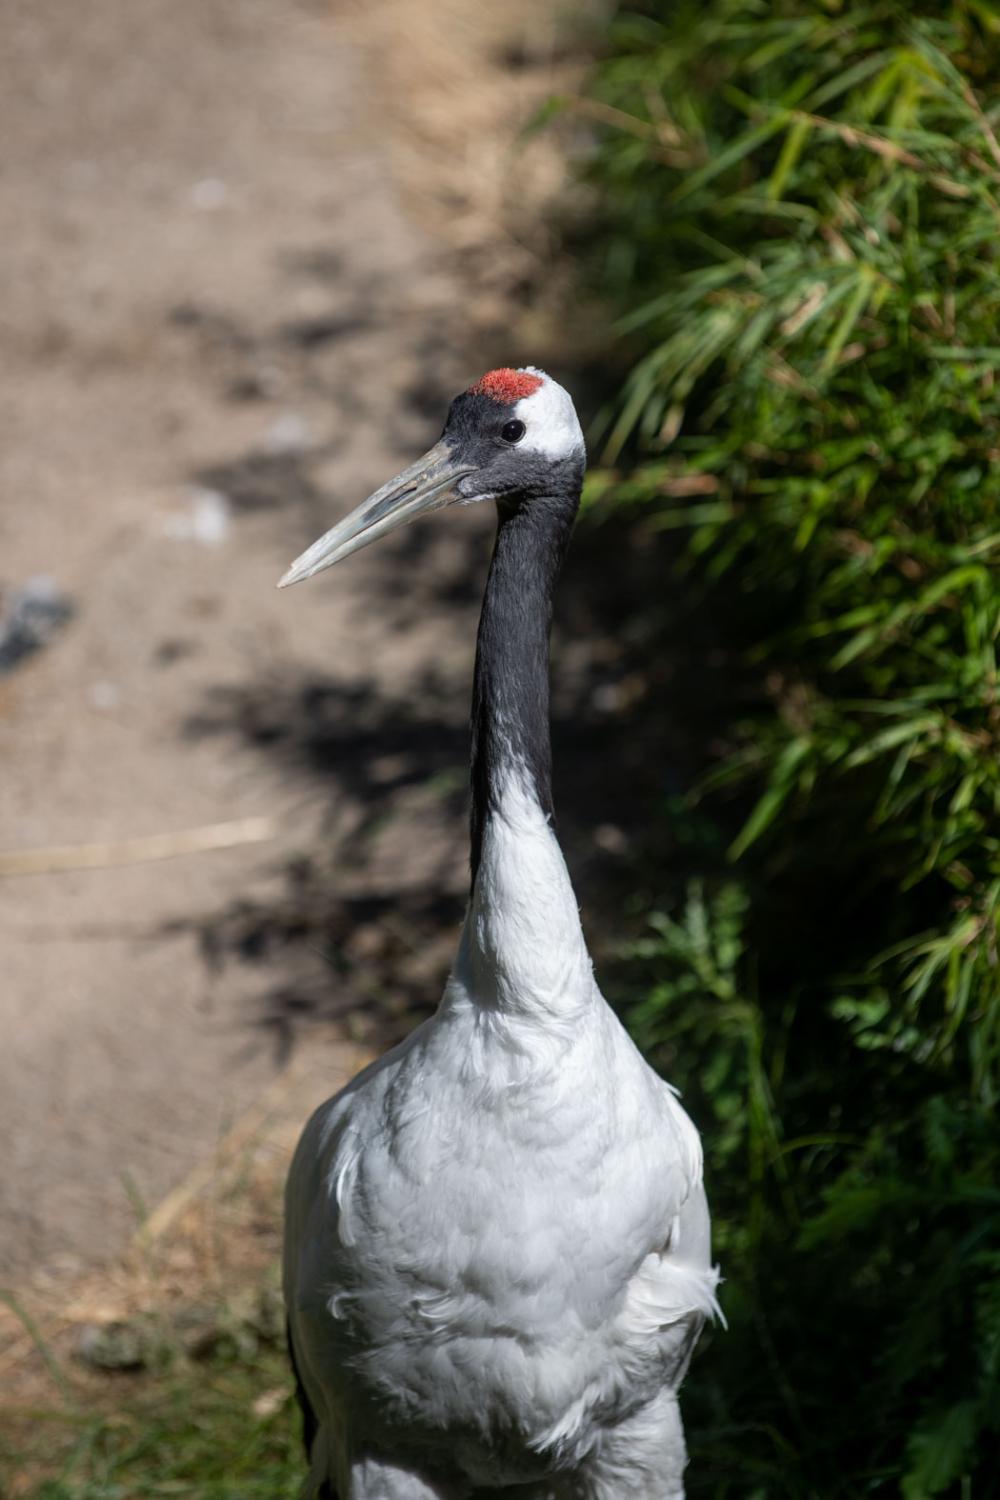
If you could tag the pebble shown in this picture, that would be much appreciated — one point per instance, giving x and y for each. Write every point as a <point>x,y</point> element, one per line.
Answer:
<point>29,617</point>
<point>206,518</point>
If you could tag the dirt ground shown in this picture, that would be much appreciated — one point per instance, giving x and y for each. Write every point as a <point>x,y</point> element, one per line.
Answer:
<point>220,329</point>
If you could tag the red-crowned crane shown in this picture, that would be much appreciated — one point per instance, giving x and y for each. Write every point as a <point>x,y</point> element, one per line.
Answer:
<point>497,1255</point>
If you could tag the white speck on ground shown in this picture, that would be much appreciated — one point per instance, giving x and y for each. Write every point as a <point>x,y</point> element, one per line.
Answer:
<point>206,519</point>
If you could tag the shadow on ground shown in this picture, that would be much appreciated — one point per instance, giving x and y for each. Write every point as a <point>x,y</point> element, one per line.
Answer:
<point>364,925</point>
<point>366,921</point>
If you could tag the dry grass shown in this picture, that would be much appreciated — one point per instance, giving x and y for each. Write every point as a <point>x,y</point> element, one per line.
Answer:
<point>125,1371</point>
<point>459,86</point>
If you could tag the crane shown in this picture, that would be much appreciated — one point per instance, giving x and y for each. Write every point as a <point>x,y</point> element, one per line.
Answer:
<point>497,1257</point>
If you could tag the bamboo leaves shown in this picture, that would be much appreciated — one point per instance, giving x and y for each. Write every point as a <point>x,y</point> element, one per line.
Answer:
<point>810,292</point>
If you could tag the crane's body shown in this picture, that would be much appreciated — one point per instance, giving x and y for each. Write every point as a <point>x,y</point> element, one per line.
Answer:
<point>497,1253</point>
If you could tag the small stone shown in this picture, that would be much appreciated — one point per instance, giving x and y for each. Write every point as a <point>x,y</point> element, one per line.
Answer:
<point>268,1402</point>
<point>289,433</point>
<point>30,616</point>
<point>105,696</point>
<point>210,194</point>
<point>115,1346</point>
<point>205,519</point>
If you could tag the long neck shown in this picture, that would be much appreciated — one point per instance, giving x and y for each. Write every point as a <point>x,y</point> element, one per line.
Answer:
<point>522,955</point>
<point>510,699</point>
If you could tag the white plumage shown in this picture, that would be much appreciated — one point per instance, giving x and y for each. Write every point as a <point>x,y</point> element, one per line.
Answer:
<point>497,1242</point>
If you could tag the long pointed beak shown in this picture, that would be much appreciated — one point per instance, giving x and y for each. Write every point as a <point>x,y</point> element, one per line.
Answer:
<point>426,485</point>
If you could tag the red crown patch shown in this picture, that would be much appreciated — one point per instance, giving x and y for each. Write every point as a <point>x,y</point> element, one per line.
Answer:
<point>507,386</point>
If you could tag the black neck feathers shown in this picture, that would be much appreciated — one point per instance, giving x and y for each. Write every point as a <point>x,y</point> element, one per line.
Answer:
<point>510,700</point>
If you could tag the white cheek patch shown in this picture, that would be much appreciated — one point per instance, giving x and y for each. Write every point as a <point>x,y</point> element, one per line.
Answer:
<point>553,429</point>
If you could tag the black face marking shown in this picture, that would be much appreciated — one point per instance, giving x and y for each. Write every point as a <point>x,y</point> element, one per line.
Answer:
<point>474,432</point>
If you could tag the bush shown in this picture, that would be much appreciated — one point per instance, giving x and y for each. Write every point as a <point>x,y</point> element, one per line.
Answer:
<point>800,222</point>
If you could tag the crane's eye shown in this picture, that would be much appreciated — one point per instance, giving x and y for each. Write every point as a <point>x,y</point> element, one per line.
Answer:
<point>513,432</point>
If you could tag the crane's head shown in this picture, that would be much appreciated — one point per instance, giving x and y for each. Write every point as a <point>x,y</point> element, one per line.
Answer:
<point>512,437</point>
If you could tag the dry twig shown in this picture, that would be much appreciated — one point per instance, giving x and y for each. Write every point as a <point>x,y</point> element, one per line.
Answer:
<point>136,851</point>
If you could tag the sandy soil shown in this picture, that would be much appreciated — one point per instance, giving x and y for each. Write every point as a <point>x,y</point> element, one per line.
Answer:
<point>219,330</point>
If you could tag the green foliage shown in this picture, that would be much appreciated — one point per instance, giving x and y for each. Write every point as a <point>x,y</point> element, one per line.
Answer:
<point>857,1219</point>
<point>219,1425</point>
<point>801,222</point>
<point>219,1430</point>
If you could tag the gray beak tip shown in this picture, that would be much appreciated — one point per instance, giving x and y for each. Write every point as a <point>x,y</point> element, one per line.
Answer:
<point>298,572</point>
